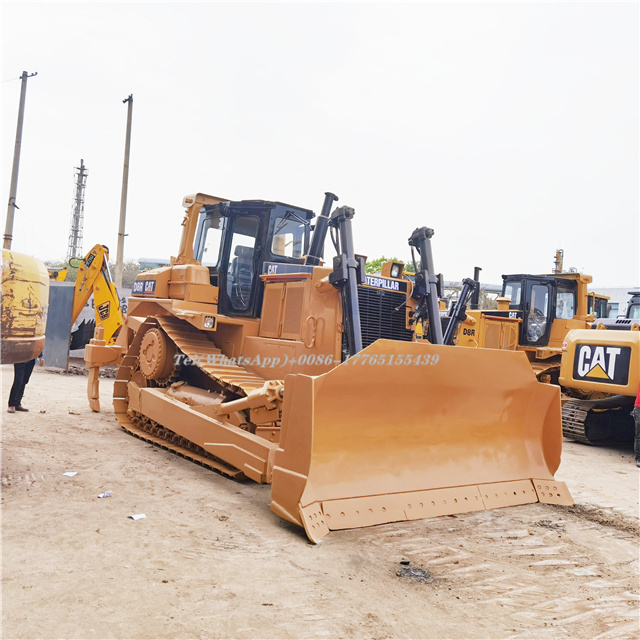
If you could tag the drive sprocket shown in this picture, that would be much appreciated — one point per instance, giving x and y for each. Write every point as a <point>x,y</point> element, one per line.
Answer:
<point>157,356</point>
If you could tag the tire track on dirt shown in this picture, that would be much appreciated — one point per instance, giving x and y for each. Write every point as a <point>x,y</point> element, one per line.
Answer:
<point>559,573</point>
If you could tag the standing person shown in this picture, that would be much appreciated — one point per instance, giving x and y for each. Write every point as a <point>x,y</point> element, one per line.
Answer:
<point>636,417</point>
<point>21,374</point>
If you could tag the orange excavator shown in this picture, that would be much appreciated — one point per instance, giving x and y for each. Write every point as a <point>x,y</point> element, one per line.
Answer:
<point>252,357</point>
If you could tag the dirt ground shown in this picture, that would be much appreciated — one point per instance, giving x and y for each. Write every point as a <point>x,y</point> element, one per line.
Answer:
<point>212,561</point>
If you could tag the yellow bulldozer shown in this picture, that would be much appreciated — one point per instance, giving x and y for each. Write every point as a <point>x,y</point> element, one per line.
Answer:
<point>534,315</point>
<point>25,302</point>
<point>540,315</point>
<point>252,357</point>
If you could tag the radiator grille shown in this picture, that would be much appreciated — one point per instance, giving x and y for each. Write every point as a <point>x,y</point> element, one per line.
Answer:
<point>378,315</point>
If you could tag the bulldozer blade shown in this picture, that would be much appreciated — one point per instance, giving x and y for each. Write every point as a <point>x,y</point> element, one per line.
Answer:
<point>405,431</point>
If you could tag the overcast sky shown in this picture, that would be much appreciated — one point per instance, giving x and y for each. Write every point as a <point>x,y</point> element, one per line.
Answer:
<point>511,129</point>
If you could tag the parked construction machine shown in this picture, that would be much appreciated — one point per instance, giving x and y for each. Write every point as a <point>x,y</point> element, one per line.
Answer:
<point>597,305</point>
<point>629,322</point>
<point>58,274</point>
<point>94,277</point>
<point>534,315</point>
<point>25,302</point>
<point>601,369</point>
<point>542,315</point>
<point>252,357</point>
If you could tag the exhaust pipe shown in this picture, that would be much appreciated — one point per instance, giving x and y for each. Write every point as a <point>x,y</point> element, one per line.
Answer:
<point>316,249</point>
<point>475,298</point>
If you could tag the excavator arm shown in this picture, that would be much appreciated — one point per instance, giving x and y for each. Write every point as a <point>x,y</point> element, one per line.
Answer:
<point>94,277</point>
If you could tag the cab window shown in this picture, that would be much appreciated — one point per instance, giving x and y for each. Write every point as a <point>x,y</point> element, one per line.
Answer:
<point>212,231</point>
<point>513,291</point>
<point>598,308</point>
<point>288,237</point>
<point>565,304</point>
<point>634,312</point>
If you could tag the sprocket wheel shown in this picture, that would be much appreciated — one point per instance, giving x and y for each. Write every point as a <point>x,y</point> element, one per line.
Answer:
<point>157,356</point>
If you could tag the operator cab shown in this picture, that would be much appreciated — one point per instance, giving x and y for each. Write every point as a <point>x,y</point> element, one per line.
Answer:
<point>540,300</point>
<point>597,305</point>
<point>237,240</point>
<point>633,308</point>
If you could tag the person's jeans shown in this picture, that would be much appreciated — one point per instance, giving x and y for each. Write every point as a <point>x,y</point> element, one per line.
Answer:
<point>21,374</point>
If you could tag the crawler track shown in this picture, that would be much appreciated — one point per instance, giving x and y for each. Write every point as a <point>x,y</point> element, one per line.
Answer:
<point>233,380</point>
<point>574,417</point>
<point>598,421</point>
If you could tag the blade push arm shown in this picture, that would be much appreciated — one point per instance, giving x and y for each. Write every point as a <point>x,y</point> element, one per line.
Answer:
<point>427,281</point>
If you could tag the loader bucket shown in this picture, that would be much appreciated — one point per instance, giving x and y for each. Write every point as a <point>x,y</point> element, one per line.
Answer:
<point>441,430</point>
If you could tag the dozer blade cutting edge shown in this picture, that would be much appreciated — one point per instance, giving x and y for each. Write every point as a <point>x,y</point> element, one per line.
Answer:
<point>448,431</point>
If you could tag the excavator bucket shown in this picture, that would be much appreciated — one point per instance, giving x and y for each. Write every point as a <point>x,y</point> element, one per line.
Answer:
<point>405,431</point>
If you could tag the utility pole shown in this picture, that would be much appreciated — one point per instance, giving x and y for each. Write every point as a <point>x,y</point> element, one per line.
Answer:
<point>8,230</point>
<point>77,214</point>
<point>123,199</point>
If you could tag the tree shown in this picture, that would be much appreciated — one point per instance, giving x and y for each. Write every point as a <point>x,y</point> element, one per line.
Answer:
<point>58,265</point>
<point>130,269</point>
<point>375,266</point>
<point>487,300</point>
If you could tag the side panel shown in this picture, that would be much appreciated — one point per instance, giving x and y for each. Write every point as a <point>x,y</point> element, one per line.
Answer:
<point>606,361</point>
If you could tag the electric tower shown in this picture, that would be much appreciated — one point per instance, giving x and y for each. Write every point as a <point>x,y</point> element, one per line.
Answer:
<point>77,213</point>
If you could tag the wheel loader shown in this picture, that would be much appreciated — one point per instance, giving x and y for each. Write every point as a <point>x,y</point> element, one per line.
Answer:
<point>251,356</point>
<point>602,369</point>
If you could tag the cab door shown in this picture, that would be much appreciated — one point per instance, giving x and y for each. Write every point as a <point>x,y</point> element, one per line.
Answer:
<point>240,267</point>
<point>538,305</point>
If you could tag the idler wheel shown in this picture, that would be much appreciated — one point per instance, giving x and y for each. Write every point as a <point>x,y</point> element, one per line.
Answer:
<point>157,355</point>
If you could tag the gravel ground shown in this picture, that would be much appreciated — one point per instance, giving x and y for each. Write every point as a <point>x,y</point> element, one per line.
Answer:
<point>212,561</point>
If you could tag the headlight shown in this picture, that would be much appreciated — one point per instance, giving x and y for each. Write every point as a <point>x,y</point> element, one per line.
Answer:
<point>396,269</point>
<point>209,322</point>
